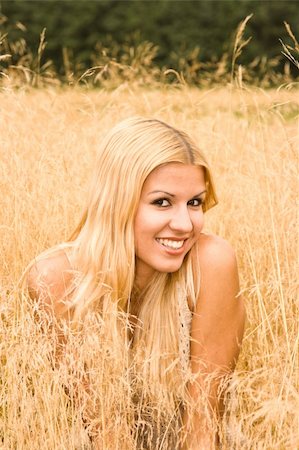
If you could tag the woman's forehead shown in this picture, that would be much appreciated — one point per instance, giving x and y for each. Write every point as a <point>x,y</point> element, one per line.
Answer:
<point>175,174</point>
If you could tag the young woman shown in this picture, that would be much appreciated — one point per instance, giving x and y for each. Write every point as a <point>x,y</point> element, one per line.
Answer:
<point>165,293</point>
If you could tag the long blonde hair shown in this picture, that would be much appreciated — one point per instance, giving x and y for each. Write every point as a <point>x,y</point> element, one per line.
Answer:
<point>104,239</point>
<point>103,250</point>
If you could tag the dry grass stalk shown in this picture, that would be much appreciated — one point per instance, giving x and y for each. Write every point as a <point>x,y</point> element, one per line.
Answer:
<point>48,143</point>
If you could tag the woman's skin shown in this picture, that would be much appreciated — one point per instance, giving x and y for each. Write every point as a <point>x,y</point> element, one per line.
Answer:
<point>168,222</point>
<point>169,219</point>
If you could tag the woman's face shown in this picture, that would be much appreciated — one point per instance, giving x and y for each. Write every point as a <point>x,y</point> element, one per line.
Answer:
<point>169,218</point>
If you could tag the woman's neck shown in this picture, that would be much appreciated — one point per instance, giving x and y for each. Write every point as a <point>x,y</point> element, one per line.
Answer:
<point>143,277</point>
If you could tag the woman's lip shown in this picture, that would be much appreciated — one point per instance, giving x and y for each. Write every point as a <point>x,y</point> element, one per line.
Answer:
<point>172,251</point>
<point>173,238</point>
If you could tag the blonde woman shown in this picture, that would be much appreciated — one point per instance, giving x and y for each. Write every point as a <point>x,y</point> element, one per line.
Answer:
<point>164,292</point>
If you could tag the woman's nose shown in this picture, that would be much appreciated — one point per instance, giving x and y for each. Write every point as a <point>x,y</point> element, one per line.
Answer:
<point>181,221</point>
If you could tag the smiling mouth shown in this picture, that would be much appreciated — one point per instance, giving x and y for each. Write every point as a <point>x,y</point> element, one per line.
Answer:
<point>175,245</point>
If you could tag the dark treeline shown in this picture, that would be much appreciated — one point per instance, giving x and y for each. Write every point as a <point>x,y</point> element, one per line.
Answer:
<point>178,28</point>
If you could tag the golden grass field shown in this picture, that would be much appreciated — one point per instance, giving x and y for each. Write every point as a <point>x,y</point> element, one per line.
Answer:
<point>48,141</point>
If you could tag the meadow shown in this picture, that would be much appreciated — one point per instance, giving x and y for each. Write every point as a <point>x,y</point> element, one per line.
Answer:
<point>48,142</point>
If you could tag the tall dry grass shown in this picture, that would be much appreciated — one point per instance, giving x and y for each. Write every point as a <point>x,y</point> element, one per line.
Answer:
<point>48,141</point>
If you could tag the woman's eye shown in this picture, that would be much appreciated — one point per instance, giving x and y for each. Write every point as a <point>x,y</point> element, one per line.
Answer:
<point>161,202</point>
<point>196,202</point>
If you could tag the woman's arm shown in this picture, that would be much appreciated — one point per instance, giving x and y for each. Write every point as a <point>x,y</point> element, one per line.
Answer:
<point>216,336</point>
<point>48,281</point>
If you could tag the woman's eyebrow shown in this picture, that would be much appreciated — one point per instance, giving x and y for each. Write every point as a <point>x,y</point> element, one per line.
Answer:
<point>203,192</point>
<point>173,195</point>
<point>161,192</point>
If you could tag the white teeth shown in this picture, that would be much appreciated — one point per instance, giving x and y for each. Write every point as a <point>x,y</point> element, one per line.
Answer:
<point>172,244</point>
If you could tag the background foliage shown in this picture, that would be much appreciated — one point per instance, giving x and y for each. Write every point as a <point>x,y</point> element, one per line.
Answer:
<point>182,35</point>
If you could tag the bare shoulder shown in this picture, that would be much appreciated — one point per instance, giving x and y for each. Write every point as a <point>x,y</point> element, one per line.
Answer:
<point>219,279</point>
<point>49,280</point>
<point>216,253</point>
